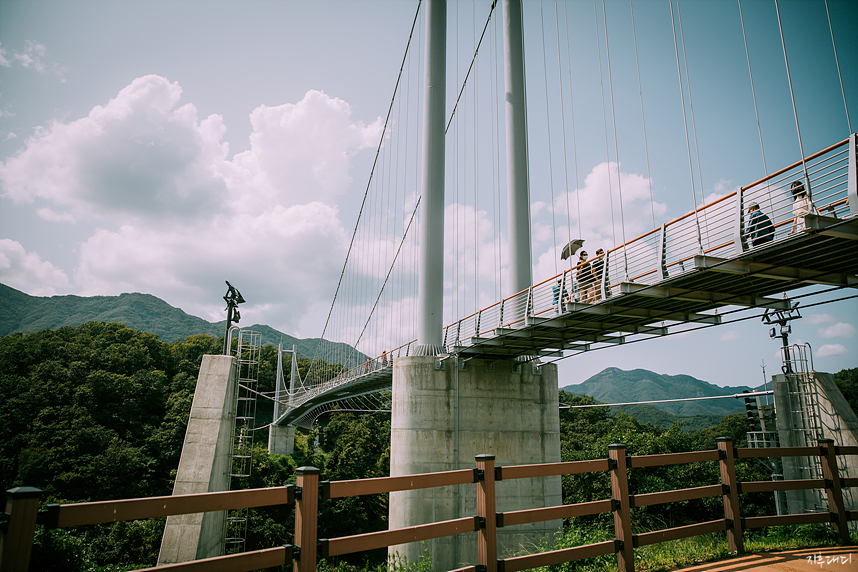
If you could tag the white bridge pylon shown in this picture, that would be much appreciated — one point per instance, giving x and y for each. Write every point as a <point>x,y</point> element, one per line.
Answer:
<point>677,274</point>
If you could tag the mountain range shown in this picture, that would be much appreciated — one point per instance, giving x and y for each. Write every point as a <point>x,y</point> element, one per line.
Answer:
<point>20,312</point>
<point>613,385</point>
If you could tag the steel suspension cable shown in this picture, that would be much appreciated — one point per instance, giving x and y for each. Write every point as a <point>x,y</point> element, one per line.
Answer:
<point>563,126</point>
<point>756,112</point>
<point>572,113</point>
<point>616,143</point>
<point>643,119</point>
<point>794,112</point>
<point>693,122</point>
<point>685,123</point>
<point>366,192</point>
<point>548,125</point>
<point>476,170</point>
<point>605,123</point>
<point>837,62</point>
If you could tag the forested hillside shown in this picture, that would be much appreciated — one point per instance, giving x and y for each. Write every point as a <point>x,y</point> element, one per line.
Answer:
<point>99,411</point>
<point>28,314</point>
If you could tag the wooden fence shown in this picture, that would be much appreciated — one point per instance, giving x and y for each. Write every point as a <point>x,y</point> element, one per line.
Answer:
<point>22,514</point>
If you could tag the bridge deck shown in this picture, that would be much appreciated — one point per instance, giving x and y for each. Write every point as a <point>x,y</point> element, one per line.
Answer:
<point>678,274</point>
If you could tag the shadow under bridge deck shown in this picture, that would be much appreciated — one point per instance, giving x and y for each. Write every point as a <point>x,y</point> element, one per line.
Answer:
<point>671,277</point>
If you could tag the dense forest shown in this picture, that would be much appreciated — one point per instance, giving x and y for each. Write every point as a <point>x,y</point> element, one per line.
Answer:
<point>98,412</point>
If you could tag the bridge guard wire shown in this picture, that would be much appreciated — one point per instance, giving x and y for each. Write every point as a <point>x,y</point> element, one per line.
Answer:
<point>693,122</point>
<point>756,112</point>
<point>685,123</point>
<point>616,143</point>
<point>563,124</point>
<point>605,123</point>
<point>837,62</point>
<point>369,182</point>
<point>643,119</point>
<point>387,278</point>
<point>794,112</point>
<point>574,138</point>
<point>548,127</point>
<point>471,67</point>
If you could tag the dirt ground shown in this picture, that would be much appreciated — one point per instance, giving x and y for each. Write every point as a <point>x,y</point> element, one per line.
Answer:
<point>829,559</point>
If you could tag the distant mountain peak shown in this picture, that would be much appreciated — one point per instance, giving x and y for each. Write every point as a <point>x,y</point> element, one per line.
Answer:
<point>614,385</point>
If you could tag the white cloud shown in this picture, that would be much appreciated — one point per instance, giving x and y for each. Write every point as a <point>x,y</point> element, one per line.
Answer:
<point>831,350</point>
<point>730,336</point>
<point>300,150</point>
<point>138,156</point>
<point>820,318</point>
<point>28,272</point>
<point>176,217</point>
<point>32,57</point>
<point>838,330</point>
<point>602,222</point>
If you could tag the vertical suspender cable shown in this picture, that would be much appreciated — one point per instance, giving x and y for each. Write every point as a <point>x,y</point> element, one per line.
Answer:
<point>572,112</point>
<point>643,120</point>
<point>685,123</point>
<point>794,112</point>
<point>693,122</point>
<point>563,121</point>
<point>605,123</point>
<point>756,113</point>
<point>616,144</point>
<point>548,125</point>
<point>476,91</point>
<point>837,62</point>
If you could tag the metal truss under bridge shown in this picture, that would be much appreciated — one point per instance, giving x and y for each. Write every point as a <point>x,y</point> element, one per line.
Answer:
<point>678,274</point>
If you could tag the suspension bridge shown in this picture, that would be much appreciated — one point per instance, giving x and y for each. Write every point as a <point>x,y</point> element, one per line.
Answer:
<point>681,274</point>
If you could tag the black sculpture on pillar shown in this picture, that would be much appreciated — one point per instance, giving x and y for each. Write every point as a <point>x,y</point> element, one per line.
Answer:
<point>233,298</point>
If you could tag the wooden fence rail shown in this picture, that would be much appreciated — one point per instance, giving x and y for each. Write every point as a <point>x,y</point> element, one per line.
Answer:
<point>22,515</point>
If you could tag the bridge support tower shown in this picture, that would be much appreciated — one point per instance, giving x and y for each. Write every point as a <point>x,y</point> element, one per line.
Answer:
<point>205,463</point>
<point>445,412</point>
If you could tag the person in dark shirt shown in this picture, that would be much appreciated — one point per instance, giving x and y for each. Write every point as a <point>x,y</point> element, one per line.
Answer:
<point>598,268</point>
<point>585,278</point>
<point>760,227</point>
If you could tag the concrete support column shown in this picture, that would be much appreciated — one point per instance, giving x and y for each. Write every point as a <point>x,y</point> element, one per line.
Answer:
<point>443,418</point>
<point>281,439</point>
<point>518,183</point>
<point>430,295</point>
<point>836,421</point>
<point>205,463</point>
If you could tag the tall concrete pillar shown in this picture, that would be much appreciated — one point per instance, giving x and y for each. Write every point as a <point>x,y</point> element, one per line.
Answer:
<point>443,418</point>
<point>205,463</point>
<point>430,290</point>
<point>518,180</point>
<point>281,439</point>
<point>836,421</point>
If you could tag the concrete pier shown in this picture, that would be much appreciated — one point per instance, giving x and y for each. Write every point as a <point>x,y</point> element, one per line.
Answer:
<point>281,439</point>
<point>837,421</point>
<point>443,418</point>
<point>204,465</point>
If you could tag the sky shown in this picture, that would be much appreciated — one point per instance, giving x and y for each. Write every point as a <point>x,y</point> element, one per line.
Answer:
<point>164,147</point>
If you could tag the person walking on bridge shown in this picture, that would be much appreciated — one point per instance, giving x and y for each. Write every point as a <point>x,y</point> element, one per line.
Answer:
<point>760,227</point>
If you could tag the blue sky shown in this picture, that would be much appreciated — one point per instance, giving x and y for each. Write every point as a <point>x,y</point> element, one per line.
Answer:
<point>163,147</point>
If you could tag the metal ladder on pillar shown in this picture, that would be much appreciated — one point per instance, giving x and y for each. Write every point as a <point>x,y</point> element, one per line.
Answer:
<point>804,407</point>
<point>247,362</point>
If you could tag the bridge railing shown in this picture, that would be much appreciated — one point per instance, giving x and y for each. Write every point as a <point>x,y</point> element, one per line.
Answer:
<point>720,228</point>
<point>22,513</point>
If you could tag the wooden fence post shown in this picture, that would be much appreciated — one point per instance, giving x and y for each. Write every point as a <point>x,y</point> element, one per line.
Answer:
<point>828,460</point>
<point>306,518</point>
<point>487,542</point>
<point>730,494</point>
<point>622,510</point>
<point>16,543</point>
